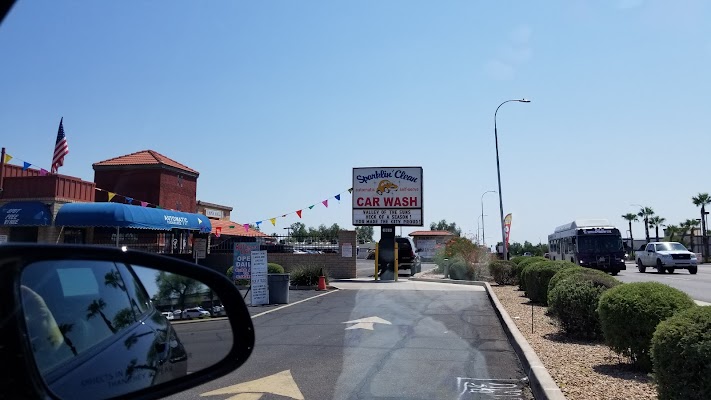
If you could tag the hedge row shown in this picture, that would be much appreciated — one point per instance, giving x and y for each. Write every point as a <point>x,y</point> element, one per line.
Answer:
<point>657,327</point>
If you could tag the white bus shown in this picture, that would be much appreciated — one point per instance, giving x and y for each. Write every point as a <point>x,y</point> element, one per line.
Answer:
<point>592,243</point>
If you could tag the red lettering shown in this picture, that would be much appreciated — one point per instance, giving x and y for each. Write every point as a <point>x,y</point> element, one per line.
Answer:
<point>413,201</point>
<point>368,202</point>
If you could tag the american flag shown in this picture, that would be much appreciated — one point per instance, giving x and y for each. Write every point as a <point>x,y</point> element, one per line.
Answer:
<point>61,148</point>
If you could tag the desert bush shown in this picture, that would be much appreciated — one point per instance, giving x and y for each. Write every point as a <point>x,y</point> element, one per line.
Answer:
<point>681,355</point>
<point>630,313</point>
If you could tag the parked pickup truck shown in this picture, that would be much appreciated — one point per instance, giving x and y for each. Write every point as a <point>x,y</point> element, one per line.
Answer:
<point>666,256</point>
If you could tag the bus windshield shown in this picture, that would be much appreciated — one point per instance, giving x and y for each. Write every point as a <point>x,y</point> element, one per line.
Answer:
<point>599,244</point>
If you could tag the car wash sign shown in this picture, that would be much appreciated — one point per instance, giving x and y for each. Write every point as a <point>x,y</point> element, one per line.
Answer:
<point>387,196</point>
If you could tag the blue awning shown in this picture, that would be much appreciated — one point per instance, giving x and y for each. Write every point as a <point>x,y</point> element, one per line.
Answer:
<point>25,213</point>
<point>129,216</point>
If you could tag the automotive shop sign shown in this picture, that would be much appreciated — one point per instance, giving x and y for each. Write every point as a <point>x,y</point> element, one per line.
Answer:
<point>387,196</point>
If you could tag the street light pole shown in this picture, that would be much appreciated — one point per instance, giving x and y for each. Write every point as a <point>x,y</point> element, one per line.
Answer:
<point>482,215</point>
<point>498,174</point>
<point>480,218</point>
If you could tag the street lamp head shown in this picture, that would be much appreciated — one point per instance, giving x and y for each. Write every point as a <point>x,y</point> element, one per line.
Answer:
<point>524,101</point>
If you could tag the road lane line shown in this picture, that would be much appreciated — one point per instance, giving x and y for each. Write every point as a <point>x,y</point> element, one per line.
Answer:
<point>292,304</point>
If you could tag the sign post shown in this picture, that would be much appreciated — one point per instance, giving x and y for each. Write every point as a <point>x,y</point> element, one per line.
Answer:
<point>387,197</point>
<point>258,281</point>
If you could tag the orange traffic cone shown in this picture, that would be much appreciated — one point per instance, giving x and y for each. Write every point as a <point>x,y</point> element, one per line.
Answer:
<point>321,282</point>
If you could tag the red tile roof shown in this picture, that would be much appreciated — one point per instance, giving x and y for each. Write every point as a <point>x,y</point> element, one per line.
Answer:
<point>431,233</point>
<point>144,157</point>
<point>238,229</point>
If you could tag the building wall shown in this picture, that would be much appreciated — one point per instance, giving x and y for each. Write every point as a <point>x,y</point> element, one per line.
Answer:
<point>337,267</point>
<point>165,187</point>
<point>178,191</point>
<point>141,184</point>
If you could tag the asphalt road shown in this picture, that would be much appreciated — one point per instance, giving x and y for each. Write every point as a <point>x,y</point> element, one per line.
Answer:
<point>370,340</point>
<point>206,342</point>
<point>697,286</point>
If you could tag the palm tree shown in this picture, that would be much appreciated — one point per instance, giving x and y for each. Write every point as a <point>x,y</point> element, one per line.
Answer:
<point>656,221</point>
<point>671,231</point>
<point>645,213</point>
<point>689,226</point>
<point>702,200</point>
<point>630,217</point>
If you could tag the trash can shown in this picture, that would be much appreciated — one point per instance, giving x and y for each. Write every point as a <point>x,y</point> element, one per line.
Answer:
<point>278,288</point>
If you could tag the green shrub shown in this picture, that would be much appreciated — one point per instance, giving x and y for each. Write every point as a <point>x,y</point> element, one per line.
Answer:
<point>681,354</point>
<point>274,268</point>
<point>630,313</point>
<point>537,276</point>
<point>518,259</point>
<point>573,301</point>
<point>458,268</point>
<point>503,272</point>
<point>570,269</point>
<point>522,265</point>
<point>307,275</point>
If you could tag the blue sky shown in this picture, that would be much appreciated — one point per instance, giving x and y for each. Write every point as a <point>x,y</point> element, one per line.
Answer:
<point>274,102</point>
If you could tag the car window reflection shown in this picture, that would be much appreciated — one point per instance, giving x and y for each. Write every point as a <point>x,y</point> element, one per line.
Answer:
<point>92,327</point>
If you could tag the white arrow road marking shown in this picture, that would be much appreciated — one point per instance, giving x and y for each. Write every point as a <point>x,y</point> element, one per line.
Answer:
<point>281,384</point>
<point>366,323</point>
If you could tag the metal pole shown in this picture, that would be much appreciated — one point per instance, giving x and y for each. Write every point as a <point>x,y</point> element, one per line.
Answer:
<point>377,248</point>
<point>2,169</point>
<point>498,175</point>
<point>483,232</point>
<point>397,256</point>
<point>501,200</point>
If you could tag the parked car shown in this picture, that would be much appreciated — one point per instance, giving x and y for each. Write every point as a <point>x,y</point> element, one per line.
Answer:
<point>528,254</point>
<point>177,314</point>
<point>217,311</point>
<point>196,312</point>
<point>407,257</point>
<point>666,256</point>
<point>168,315</point>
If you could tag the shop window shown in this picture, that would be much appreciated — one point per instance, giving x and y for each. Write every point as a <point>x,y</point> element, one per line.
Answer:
<point>27,234</point>
<point>74,236</point>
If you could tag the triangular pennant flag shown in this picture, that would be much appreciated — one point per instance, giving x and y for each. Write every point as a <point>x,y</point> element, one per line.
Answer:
<point>218,231</point>
<point>129,200</point>
<point>273,221</point>
<point>7,158</point>
<point>325,203</point>
<point>299,213</point>
<point>283,216</point>
<point>25,165</point>
<point>231,227</point>
<point>338,197</point>
<point>246,227</point>
<point>311,206</point>
<point>111,195</point>
<point>43,172</point>
<point>144,203</point>
<point>258,222</point>
<point>350,190</point>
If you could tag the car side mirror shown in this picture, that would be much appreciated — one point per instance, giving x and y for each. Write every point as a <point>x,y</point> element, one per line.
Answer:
<point>93,322</point>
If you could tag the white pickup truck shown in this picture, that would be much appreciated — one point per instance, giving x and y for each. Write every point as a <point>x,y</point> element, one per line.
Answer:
<point>666,256</point>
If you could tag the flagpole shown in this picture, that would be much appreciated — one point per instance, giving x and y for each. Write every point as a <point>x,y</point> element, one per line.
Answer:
<point>2,169</point>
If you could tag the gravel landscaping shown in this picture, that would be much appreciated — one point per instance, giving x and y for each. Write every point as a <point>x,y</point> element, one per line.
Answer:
<point>582,370</point>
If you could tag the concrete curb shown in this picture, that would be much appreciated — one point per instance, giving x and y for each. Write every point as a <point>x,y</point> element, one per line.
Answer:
<point>542,384</point>
<point>453,281</point>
